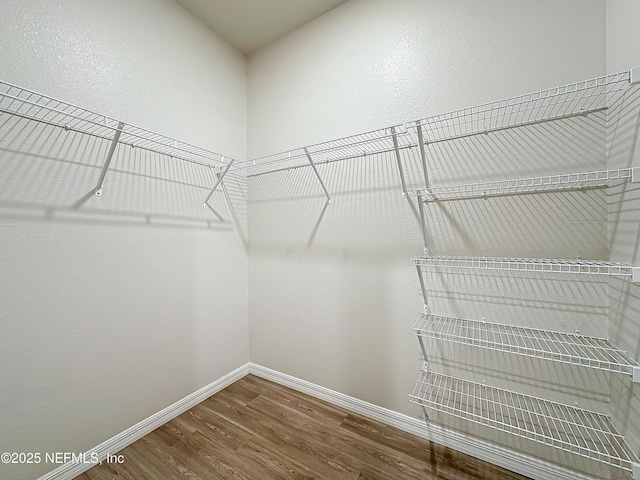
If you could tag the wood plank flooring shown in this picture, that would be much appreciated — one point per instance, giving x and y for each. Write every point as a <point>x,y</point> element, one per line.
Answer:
<point>256,429</point>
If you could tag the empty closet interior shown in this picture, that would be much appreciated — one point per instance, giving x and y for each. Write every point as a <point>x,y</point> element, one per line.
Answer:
<point>422,206</point>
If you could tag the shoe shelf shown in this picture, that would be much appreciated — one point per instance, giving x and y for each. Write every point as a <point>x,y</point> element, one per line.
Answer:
<point>572,349</point>
<point>571,429</point>
<point>537,265</point>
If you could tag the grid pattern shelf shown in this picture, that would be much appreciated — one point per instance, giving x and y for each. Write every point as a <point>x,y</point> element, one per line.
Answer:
<point>550,183</point>
<point>23,103</point>
<point>540,265</point>
<point>568,428</point>
<point>558,103</point>
<point>573,349</point>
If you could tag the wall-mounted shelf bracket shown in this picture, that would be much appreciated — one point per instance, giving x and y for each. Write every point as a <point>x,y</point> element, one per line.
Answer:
<point>635,274</point>
<point>423,155</point>
<point>635,471</point>
<point>635,374</point>
<point>423,223</point>
<point>112,149</point>
<point>394,136</point>
<point>315,170</point>
<point>423,289</point>
<point>218,182</point>
<point>635,175</point>
<point>634,78</point>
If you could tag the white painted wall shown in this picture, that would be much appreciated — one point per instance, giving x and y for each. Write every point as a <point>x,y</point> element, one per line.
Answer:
<point>332,295</point>
<point>115,308</point>
<point>623,53</point>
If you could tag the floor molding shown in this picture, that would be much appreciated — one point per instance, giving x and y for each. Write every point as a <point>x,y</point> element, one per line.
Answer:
<point>70,470</point>
<point>515,461</point>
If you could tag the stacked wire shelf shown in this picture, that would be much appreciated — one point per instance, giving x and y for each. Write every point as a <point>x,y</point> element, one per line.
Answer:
<point>572,349</point>
<point>581,432</point>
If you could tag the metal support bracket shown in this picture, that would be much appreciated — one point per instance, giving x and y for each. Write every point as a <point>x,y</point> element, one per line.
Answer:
<point>425,357</point>
<point>220,177</point>
<point>635,470</point>
<point>315,170</point>
<point>112,149</point>
<point>634,76</point>
<point>423,288</point>
<point>394,136</point>
<point>635,175</point>
<point>635,274</point>
<point>635,374</point>
<point>423,155</point>
<point>423,222</point>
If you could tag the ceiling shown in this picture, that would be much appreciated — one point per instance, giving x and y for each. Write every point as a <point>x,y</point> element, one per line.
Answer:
<point>249,25</point>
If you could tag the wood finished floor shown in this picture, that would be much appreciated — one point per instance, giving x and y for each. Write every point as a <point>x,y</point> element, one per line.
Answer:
<point>256,429</point>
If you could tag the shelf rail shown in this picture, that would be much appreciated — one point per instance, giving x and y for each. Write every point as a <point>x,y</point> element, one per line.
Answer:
<point>23,103</point>
<point>573,349</point>
<point>571,429</point>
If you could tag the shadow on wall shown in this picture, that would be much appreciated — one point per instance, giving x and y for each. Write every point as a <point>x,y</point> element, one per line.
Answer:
<point>49,174</point>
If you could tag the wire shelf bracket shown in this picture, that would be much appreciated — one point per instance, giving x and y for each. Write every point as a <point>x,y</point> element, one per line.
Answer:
<point>573,349</point>
<point>634,75</point>
<point>315,170</point>
<point>218,182</point>
<point>396,149</point>
<point>582,432</point>
<point>112,149</point>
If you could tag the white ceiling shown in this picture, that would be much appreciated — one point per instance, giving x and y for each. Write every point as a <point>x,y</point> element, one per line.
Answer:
<point>249,25</point>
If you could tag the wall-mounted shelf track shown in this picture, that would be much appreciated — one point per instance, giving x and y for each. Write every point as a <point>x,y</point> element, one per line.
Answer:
<point>571,429</point>
<point>23,103</point>
<point>573,349</point>
<point>517,186</point>
<point>540,265</point>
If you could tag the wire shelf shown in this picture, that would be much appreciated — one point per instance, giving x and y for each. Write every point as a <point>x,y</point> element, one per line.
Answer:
<point>361,145</point>
<point>550,183</point>
<point>571,429</point>
<point>574,99</point>
<point>30,105</point>
<point>567,101</point>
<point>573,349</point>
<point>541,265</point>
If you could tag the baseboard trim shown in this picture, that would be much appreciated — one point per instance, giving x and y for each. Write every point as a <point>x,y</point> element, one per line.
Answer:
<point>71,470</point>
<point>515,461</point>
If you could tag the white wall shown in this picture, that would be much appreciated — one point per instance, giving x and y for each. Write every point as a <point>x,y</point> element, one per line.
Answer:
<point>623,53</point>
<point>113,308</point>
<point>332,295</point>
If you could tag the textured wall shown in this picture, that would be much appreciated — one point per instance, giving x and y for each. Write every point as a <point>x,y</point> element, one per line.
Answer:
<point>114,307</point>
<point>332,295</point>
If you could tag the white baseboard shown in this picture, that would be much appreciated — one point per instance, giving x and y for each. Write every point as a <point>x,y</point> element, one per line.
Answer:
<point>71,470</point>
<point>515,461</point>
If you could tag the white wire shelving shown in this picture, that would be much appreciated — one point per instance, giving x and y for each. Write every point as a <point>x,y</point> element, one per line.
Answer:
<point>563,102</point>
<point>26,104</point>
<point>549,183</point>
<point>540,265</point>
<point>34,106</point>
<point>573,349</point>
<point>571,429</point>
